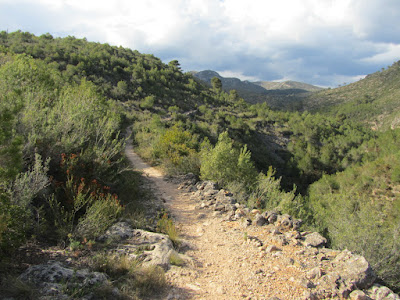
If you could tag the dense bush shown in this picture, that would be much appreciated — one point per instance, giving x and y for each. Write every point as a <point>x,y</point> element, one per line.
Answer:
<point>359,209</point>
<point>225,164</point>
<point>178,150</point>
<point>45,117</point>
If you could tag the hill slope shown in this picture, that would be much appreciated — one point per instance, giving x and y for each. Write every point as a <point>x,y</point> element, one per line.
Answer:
<point>288,85</point>
<point>374,100</point>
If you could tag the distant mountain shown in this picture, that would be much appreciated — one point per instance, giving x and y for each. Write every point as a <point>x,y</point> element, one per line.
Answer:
<point>280,95</point>
<point>288,85</point>
<point>230,83</point>
<point>374,100</point>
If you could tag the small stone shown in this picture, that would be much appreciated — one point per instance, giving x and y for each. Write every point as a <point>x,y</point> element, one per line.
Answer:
<point>315,273</point>
<point>271,217</point>
<point>304,282</point>
<point>285,220</point>
<point>201,216</point>
<point>310,296</point>
<point>358,295</point>
<point>219,207</point>
<point>315,240</point>
<point>281,240</point>
<point>380,292</point>
<point>275,231</point>
<point>217,213</point>
<point>193,287</point>
<point>300,252</point>
<point>259,220</point>
<point>239,213</point>
<point>255,212</point>
<point>272,248</point>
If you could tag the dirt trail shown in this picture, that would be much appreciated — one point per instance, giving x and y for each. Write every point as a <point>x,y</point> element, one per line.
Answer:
<point>225,265</point>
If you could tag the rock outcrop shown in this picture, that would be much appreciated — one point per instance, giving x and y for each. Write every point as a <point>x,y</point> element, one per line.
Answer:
<point>148,247</point>
<point>54,278</point>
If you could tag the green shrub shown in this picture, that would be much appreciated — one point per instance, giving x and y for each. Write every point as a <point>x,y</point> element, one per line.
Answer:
<point>28,185</point>
<point>104,211</point>
<point>112,264</point>
<point>396,174</point>
<point>357,215</point>
<point>225,164</point>
<point>147,102</point>
<point>15,221</point>
<point>267,193</point>
<point>177,149</point>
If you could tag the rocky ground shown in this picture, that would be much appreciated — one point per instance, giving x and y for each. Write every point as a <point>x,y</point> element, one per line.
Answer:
<point>225,251</point>
<point>235,253</point>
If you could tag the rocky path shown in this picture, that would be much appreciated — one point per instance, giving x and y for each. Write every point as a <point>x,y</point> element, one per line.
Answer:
<point>225,264</point>
<point>234,253</point>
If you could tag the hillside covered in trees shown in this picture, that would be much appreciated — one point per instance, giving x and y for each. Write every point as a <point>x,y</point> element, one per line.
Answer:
<point>65,104</point>
<point>373,100</point>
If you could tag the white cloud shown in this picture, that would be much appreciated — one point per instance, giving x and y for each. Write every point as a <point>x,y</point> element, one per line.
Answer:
<point>237,74</point>
<point>386,53</point>
<point>306,40</point>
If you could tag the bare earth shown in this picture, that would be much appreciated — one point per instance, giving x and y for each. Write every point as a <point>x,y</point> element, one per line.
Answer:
<point>226,261</point>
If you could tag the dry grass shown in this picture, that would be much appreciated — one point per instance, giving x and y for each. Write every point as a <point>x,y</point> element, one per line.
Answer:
<point>166,225</point>
<point>131,278</point>
<point>176,260</point>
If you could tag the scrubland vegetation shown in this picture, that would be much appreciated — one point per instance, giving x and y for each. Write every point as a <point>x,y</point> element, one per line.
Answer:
<point>64,106</point>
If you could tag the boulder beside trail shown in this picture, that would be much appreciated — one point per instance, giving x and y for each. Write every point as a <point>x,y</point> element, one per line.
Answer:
<point>354,270</point>
<point>314,239</point>
<point>53,278</point>
<point>148,247</point>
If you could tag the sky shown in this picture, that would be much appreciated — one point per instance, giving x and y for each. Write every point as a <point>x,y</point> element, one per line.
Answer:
<point>321,42</point>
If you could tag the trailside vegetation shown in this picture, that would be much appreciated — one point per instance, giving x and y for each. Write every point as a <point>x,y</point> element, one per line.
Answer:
<point>64,103</point>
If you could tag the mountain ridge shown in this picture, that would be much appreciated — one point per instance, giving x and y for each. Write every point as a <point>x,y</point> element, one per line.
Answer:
<point>278,95</point>
<point>207,75</point>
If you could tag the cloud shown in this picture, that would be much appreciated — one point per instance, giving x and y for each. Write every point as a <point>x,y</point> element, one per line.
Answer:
<point>385,53</point>
<point>316,41</point>
<point>241,76</point>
